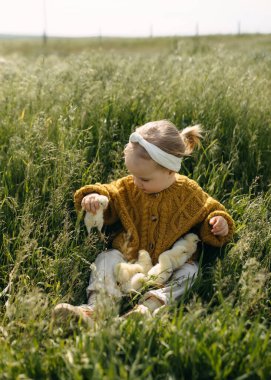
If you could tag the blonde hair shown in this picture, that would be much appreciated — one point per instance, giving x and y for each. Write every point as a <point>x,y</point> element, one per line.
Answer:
<point>167,137</point>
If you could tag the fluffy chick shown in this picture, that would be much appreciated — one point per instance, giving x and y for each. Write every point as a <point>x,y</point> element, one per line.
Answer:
<point>96,220</point>
<point>173,258</point>
<point>131,276</point>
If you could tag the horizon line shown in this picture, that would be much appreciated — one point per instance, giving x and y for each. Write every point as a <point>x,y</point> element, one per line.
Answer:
<point>41,36</point>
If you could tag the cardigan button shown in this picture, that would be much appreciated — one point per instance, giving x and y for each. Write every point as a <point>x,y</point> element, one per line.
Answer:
<point>154,218</point>
<point>151,246</point>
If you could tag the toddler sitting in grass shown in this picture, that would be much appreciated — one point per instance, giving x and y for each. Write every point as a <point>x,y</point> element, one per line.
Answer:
<point>156,206</point>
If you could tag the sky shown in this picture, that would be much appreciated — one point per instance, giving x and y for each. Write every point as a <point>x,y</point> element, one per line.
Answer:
<point>134,17</point>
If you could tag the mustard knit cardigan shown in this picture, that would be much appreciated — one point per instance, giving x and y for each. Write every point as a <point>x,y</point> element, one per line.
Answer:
<point>155,221</point>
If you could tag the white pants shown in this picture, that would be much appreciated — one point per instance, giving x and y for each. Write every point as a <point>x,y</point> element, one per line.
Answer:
<point>102,279</point>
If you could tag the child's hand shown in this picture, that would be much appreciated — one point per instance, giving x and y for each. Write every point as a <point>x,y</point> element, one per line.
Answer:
<point>219,226</point>
<point>91,203</point>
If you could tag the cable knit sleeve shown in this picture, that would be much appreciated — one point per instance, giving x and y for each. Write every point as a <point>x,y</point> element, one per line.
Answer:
<point>214,208</point>
<point>201,207</point>
<point>109,190</point>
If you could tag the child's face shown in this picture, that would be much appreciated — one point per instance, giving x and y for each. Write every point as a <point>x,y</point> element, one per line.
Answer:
<point>147,175</point>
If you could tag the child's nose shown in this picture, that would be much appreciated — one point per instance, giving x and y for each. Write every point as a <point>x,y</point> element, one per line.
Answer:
<point>137,182</point>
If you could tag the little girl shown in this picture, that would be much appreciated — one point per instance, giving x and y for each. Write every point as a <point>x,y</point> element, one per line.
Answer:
<point>156,206</point>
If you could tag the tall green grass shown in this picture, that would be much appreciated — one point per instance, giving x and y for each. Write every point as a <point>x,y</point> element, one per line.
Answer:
<point>64,120</point>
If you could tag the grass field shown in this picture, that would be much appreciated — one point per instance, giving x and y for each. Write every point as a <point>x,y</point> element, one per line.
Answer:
<point>66,112</point>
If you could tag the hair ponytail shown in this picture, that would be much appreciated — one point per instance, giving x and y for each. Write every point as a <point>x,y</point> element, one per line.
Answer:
<point>191,137</point>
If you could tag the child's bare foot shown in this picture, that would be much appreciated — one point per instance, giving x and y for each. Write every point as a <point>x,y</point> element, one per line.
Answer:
<point>65,312</point>
<point>138,310</point>
<point>148,308</point>
<point>153,303</point>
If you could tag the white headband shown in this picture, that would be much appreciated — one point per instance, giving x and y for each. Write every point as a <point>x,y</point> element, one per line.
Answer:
<point>164,159</point>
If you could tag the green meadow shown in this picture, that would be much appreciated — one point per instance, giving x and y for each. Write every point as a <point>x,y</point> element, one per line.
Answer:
<point>67,109</point>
